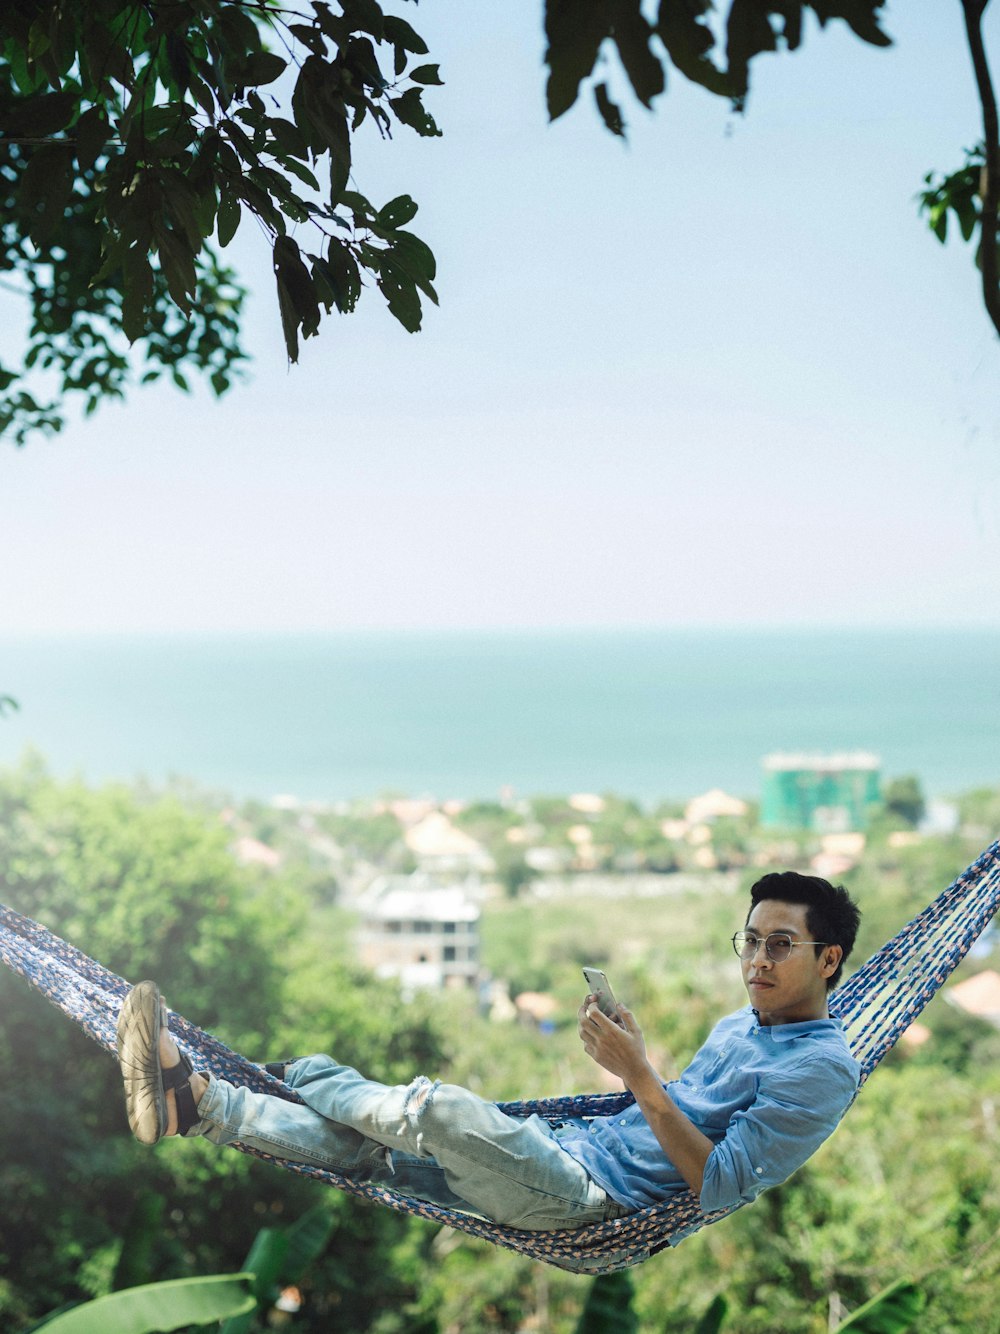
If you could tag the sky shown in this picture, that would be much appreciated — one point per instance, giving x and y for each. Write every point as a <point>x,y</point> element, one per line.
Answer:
<point>721,375</point>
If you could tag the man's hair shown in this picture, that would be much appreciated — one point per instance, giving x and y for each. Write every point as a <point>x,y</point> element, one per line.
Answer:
<point>832,916</point>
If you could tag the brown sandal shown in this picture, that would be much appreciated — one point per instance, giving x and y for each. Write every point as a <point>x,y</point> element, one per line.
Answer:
<point>146,1082</point>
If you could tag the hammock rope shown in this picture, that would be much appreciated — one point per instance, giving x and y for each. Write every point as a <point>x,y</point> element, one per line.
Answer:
<point>876,1004</point>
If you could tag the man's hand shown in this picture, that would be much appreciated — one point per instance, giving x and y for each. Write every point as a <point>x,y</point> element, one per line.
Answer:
<point>617,1045</point>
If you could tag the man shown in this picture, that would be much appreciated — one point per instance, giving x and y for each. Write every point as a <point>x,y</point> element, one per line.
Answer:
<point>768,1086</point>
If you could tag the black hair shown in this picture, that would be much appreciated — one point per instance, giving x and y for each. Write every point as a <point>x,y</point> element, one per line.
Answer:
<point>832,916</point>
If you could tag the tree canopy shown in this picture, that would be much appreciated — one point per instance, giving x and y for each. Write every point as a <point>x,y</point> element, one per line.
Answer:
<point>136,138</point>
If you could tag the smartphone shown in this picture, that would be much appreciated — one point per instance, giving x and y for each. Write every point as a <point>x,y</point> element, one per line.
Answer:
<point>599,986</point>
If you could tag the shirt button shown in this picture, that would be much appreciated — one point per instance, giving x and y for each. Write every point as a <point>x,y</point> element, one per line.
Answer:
<point>621,1123</point>
<point>759,1171</point>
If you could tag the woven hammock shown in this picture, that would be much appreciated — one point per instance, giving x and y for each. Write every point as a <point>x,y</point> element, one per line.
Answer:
<point>876,1005</point>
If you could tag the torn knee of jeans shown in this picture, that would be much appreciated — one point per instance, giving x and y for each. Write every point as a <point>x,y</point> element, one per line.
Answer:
<point>418,1099</point>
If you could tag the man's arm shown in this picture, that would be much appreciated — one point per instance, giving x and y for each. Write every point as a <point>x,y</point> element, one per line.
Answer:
<point>621,1050</point>
<point>795,1110</point>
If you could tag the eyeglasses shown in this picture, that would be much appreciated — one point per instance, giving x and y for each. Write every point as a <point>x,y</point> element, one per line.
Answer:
<point>777,946</point>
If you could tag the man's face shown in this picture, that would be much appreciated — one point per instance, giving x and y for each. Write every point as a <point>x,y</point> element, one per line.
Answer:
<point>795,990</point>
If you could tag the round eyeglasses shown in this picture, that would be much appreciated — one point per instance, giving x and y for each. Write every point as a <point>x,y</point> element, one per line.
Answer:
<point>777,946</point>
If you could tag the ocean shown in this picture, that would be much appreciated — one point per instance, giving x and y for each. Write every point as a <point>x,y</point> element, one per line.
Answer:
<point>650,714</point>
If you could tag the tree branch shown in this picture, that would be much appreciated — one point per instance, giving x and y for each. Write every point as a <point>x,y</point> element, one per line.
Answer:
<point>990,180</point>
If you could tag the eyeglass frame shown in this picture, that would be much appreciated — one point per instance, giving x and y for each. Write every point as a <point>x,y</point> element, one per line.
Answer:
<point>763,940</point>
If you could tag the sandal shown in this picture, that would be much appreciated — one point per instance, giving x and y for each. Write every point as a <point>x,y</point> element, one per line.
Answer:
<point>146,1082</point>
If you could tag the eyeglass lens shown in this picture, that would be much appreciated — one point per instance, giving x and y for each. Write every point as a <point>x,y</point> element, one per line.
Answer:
<point>777,946</point>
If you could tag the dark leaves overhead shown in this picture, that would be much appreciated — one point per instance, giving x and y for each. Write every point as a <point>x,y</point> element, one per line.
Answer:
<point>135,137</point>
<point>707,44</point>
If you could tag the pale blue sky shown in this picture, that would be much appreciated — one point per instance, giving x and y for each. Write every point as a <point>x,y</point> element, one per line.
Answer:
<point>722,375</point>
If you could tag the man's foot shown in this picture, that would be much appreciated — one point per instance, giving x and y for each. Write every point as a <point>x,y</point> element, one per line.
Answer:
<point>170,1060</point>
<point>161,1093</point>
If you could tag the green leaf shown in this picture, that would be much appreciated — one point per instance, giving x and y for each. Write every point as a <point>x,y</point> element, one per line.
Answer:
<point>240,34</point>
<point>228,217</point>
<point>137,292</point>
<point>107,59</point>
<point>317,105</point>
<point>260,68</point>
<point>689,42</point>
<point>159,1307</point>
<point>239,139</point>
<point>340,270</point>
<point>364,16</point>
<point>300,170</point>
<point>417,259</point>
<point>359,206</point>
<point>400,292</point>
<point>398,212</point>
<point>426,74</point>
<point>297,296</point>
<point>610,112</point>
<point>92,132</point>
<point>41,117</point>
<point>632,36</point>
<point>45,189</point>
<point>307,1240</point>
<point>286,136</point>
<point>410,110</point>
<point>310,37</point>
<point>892,1311</point>
<point>264,1262</point>
<point>575,33</point>
<point>177,263</point>
<point>399,32</point>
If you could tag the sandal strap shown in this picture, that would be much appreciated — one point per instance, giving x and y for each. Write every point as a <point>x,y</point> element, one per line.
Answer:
<point>187,1109</point>
<point>178,1075</point>
<point>177,1078</point>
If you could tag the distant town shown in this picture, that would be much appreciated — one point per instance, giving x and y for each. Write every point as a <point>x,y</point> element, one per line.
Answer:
<point>417,872</point>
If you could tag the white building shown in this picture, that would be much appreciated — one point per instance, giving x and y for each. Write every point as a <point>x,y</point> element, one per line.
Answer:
<point>421,932</point>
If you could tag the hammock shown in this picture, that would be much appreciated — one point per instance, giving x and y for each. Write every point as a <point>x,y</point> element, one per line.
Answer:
<point>876,1005</point>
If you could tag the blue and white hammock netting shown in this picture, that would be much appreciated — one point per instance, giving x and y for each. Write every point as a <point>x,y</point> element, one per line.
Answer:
<point>876,1004</point>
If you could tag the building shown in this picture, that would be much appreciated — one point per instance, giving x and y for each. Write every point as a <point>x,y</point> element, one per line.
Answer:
<point>421,932</point>
<point>978,995</point>
<point>828,794</point>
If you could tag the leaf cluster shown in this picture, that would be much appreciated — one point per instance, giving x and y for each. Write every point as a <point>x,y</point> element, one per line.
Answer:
<point>709,45</point>
<point>136,139</point>
<point>959,194</point>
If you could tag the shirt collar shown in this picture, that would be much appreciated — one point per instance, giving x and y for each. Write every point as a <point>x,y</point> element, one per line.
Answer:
<point>786,1032</point>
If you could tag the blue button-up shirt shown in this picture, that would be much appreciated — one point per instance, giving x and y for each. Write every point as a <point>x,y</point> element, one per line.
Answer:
<point>766,1096</point>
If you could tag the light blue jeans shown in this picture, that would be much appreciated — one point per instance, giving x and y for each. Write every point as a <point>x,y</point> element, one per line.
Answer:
<point>434,1141</point>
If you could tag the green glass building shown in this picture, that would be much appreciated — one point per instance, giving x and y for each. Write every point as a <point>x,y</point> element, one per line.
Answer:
<point>827,794</point>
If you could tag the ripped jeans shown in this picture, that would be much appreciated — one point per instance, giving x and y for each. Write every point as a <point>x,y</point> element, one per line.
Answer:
<point>434,1141</point>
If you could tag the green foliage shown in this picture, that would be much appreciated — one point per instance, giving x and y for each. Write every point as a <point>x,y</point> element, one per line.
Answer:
<point>893,1311</point>
<point>279,1257</point>
<point>904,799</point>
<point>913,1169</point>
<point>608,1308</point>
<point>957,194</point>
<point>714,1318</point>
<point>148,886</point>
<point>512,870</point>
<point>373,837</point>
<point>158,1306</point>
<point>133,136</point>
